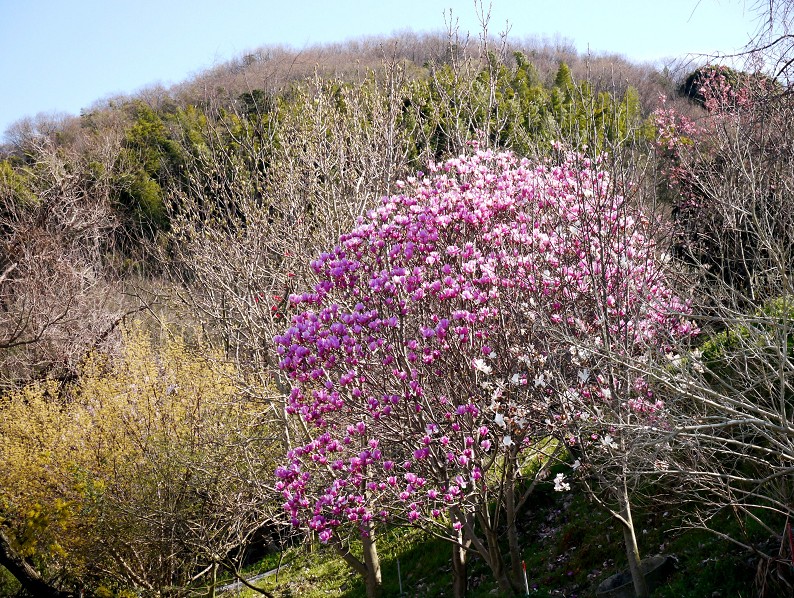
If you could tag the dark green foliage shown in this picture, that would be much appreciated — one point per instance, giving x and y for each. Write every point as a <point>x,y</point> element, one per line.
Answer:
<point>760,341</point>
<point>694,82</point>
<point>257,102</point>
<point>731,83</point>
<point>153,153</point>
<point>15,193</point>
<point>509,108</point>
<point>144,197</point>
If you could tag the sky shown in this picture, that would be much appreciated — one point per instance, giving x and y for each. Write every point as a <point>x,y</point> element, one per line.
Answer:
<point>59,56</point>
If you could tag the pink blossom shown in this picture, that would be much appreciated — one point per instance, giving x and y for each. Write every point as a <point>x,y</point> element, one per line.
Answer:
<point>414,343</point>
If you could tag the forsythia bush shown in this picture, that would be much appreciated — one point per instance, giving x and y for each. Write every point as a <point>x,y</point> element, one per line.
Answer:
<point>139,474</point>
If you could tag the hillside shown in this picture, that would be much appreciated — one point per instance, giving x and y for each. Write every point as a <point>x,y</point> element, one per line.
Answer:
<point>417,299</point>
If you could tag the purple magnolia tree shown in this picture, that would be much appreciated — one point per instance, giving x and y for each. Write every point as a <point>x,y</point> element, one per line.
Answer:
<point>437,357</point>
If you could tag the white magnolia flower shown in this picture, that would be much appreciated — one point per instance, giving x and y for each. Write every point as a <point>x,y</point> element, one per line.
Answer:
<point>497,394</point>
<point>481,366</point>
<point>675,359</point>
<point>698,367</point>
<point>697,364</point>
<point>499,419</point>
<point>507,441</point>
<point>560,485</point>
<point>515,380</point>
<point>571,395</point>
<point>609,442</point>
<point>584,375</point>
<point>492,355</point>
<point>540,381</point>
<point>606,393</point>
<point>576,465</point>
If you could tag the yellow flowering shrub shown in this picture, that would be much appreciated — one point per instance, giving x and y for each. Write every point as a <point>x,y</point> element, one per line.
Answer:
<point>144,471</point>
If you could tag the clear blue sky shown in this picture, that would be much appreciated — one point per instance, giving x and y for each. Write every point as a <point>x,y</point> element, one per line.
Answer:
<point>62,55</point>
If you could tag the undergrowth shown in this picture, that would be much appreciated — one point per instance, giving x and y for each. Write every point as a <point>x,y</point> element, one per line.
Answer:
<point>569,545</point>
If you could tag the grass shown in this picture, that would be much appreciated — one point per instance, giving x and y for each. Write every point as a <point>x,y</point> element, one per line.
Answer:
<point>569,546</point>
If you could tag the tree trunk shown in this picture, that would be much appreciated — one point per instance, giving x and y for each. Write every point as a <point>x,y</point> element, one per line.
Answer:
<point>506,587</point>
<point>214,580</point>
<point>511,516</point>
<point>490,551</point>
<point>632,550</point>
<point>497,565</point>
<point>460,580</point>
<point>30,579</point>
<point>372,563</point>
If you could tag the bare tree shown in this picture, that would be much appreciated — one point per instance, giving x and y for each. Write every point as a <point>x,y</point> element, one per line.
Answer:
<point>726,432</point>
<point>267,191</point>
<point>59,295</point>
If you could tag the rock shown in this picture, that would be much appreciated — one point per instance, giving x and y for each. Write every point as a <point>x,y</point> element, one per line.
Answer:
<point>657,569</point>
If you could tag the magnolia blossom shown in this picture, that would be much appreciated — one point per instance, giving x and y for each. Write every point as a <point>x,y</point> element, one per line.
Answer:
<point>540,380</point>
<point>560,485</point>
<point>609,442</point>
<point>422,353</point>
<point>481,366</point>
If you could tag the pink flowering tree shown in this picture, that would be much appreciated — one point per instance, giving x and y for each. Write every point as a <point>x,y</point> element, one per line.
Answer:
<point>442,350</point>
<point>616,326</point>
<point>732,177</point>
<point>726,173</point>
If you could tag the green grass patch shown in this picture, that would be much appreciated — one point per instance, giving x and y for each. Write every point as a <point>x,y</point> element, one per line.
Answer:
<point>569,544</point>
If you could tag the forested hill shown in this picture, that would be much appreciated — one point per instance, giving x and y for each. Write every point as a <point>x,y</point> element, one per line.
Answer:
<point>325,124</point>
<point>323,295</point>
<point>437,91</point>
